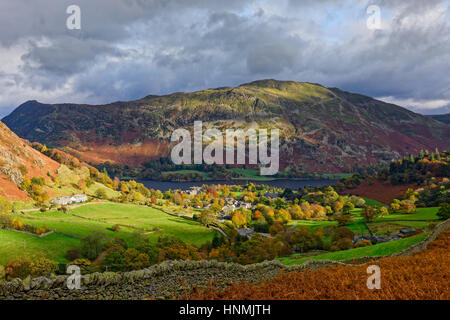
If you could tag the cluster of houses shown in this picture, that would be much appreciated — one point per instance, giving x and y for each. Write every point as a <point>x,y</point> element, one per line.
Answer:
<point>63,201</point>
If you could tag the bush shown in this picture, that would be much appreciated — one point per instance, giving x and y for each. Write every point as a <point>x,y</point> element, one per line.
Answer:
<point>362,243</point>
<point>72,254</point>
<point>114,228</point>
<point>343,233</point>
<point>20,268</point>
<point>2,273</point>
<point>43,267</point>
<point>101,193</point>
<point>344,244</point>
<point>444,211</point>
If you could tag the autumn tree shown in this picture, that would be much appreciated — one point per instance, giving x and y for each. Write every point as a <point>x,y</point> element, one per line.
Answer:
<point>207,217</point>
<point>238,219</point>
<point>369,213</point>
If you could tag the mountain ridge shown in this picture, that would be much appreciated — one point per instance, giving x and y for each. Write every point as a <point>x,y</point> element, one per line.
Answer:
<point>323,129</point>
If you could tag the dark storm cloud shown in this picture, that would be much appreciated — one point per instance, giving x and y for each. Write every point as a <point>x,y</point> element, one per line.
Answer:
<point>127,49</point>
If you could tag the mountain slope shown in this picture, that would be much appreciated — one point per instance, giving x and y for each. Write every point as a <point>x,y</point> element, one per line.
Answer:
<point>28,174</point>
<point>323,129</point>
<point>18,160</point>
<point>445,118</point>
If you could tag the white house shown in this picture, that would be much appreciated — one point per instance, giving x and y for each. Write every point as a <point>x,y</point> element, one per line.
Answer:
<point>77,198</point>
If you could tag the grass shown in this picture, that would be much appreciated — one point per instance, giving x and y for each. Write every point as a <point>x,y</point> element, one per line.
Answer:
<point>15,245</point>
<point>420,214</point>
<point>377,250</point>
<point>147,218</point>
<point>54,246</point>
<point>373,203</point>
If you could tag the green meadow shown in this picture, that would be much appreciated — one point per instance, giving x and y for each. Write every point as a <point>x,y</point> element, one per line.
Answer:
<point>377,250</point>
<point>83,220</point>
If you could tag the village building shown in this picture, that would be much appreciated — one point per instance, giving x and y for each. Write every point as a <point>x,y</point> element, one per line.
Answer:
<point>63,201</point>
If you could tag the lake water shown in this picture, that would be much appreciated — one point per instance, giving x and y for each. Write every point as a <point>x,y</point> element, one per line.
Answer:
<point>292,184</point>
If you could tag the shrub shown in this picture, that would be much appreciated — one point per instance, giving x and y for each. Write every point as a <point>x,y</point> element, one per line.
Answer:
<point>343,233</point>
<point>6,220</point>
<point>362,243</point>
<point>344,244</point>
<point>135,260</point>
<point>72,254</point>
<point>100,193</point>
<point>20,268</point>
<point>275,228</point>
<point>444,211</point>
<point>2,273</point>
<point>114,228</point>
<point>81,262</point>
<point>5,206</point>
<point>43,267</point>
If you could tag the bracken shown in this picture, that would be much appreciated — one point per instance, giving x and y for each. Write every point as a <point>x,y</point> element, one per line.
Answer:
<point>424,275</point>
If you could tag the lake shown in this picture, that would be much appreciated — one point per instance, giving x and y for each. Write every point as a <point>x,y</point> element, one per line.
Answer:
<point>185,185</point>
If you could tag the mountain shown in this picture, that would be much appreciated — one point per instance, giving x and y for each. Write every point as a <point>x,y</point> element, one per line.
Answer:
<point>27,174</point>
<point>322,129</point>
<point>445,118</point>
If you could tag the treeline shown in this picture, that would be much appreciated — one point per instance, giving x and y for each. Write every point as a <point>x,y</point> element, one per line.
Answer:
<point>411,169</point>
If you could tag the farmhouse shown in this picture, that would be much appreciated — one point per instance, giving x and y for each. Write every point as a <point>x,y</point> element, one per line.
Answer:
<point>78,198</point>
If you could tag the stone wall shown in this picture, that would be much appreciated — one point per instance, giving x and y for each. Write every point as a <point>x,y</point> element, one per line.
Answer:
<point>161,281</point>
<point>170,278</point>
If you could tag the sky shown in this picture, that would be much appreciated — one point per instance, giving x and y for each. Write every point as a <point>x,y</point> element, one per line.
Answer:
<point>128,49</point>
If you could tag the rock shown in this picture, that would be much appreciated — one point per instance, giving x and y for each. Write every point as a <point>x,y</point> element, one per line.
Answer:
<point>406,230</point>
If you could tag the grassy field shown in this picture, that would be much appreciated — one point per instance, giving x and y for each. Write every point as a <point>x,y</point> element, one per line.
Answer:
<point>136,218</point>
<point>147,218</point>
<point>377,250</point>
<point>373,203</point>
<point>15,245</point>
<point>420,214</point>
<point>420,219</point>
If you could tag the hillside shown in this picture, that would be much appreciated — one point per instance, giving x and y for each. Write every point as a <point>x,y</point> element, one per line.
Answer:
<point>323,129</point>
<point>27,174</point>
<point>445,118</point>
<point>18,160</point>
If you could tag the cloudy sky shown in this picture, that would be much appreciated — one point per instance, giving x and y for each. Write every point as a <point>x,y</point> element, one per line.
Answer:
<point>127,49</point>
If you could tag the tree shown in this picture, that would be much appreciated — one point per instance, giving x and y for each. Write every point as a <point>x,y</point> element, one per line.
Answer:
<point>395,205</point>
<point>369,213</point>
<point>114,261</point>
<point>407,206</point>
<point>5,206</point>
<point>382,211</point>
<point>207,217</point>
<point>93,244</point>
<point>348,206</point>
<point>343,219</point>
<point>444,211</point>
<point>135,260</point>
<point>238,219</point>
<point>138,197</point>
<point>338,206</point>
<point>100,193</point>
